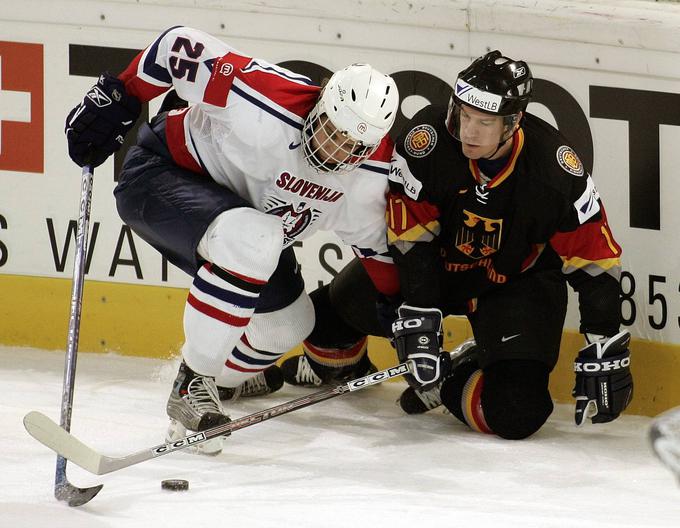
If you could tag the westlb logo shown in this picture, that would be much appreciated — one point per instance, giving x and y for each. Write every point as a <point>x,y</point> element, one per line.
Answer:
<point>474,97</point>
<point>21,107</point>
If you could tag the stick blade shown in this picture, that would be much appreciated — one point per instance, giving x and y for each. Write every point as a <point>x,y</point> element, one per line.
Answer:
<point>48,433</point>
<point>75,496</point>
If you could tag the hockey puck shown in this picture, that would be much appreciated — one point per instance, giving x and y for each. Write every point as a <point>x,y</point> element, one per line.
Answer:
<point>175,484</point>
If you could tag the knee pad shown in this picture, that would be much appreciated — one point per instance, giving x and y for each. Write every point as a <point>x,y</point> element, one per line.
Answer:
<point>244,241</point>
<point>509,398</point>
<point>283,329</point>
<point>515,399</point>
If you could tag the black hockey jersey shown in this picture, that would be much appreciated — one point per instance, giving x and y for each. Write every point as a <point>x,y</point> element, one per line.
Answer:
<point>455,234</point>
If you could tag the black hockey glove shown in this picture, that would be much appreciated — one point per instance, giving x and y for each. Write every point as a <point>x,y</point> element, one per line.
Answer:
<point>604,385</point>
<point>95,128</point>
<point>418,337</point>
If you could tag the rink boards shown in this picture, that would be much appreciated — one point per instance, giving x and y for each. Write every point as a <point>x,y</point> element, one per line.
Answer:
<point>147,321</point>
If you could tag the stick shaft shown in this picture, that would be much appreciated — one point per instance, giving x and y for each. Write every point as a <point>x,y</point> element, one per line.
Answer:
<point>47,432</point>
<point>74,317</point>
<point>319,396</point>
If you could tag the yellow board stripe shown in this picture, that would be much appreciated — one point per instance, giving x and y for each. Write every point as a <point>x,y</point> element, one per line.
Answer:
<point>128,319</point>
<point>147,321</point>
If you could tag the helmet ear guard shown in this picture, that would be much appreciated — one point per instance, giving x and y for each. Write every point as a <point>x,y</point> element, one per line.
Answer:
<point>361,104</point>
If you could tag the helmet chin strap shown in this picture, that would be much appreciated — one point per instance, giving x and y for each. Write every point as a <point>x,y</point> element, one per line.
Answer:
<point>497,149</point>
<point>500,145</point>
<point>494,152</point>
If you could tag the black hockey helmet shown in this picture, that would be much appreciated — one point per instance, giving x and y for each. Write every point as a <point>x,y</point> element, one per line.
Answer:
<point>495,84</point>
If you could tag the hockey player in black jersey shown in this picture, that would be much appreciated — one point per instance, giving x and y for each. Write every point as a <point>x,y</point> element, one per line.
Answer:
<point>490,210</point>
<point>490,213</point>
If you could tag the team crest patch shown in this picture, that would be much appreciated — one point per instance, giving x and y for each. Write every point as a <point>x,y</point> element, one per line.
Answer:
<point>420,141</point>
<point>569,161</point>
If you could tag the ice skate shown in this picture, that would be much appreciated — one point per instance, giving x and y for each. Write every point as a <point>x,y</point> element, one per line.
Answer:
<point>268,381</point>
<point>194,405</point>
<point>413,401</point>
<point>298,370</point>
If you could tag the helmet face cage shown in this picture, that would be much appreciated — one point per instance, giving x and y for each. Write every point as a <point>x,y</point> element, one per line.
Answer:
<point>328,149</point>
<point>354,112</point>
<point>492,84</point>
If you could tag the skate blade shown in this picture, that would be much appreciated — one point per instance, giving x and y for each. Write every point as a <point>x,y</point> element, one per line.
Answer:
<point>176,431</point>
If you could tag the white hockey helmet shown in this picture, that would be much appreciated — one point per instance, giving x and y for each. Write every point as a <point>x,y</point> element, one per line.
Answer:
<point>355,110</point>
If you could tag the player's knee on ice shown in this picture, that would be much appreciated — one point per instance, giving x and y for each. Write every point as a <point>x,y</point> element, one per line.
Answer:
<point>244,241</point>
<point>515,399</point>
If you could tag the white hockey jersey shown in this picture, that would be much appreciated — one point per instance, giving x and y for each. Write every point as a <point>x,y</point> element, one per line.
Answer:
<point>243,128</point>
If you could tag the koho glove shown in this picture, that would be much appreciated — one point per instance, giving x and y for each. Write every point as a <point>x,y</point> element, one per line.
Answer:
<point>95,128</point>
<point>417,337</point>
<point>604,385</point>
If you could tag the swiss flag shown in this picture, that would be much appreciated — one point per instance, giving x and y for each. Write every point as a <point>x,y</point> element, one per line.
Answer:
<point>21,107</point>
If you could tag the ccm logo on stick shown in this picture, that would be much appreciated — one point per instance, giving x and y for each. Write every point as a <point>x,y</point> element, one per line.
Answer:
<point>179,443</point>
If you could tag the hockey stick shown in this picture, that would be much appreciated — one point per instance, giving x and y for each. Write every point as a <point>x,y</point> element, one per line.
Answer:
<point>51,435</point>
<point>63,489</point>
<point>664,435</point>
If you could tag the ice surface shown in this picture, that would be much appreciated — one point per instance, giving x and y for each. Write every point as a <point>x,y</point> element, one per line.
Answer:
<point>356,460</point>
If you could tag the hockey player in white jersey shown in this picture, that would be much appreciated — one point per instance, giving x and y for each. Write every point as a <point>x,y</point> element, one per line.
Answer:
<point>260,158</point>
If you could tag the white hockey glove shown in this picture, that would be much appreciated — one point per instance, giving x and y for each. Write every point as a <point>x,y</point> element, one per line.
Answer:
<point>418,337</point>
<point>604,385</point>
